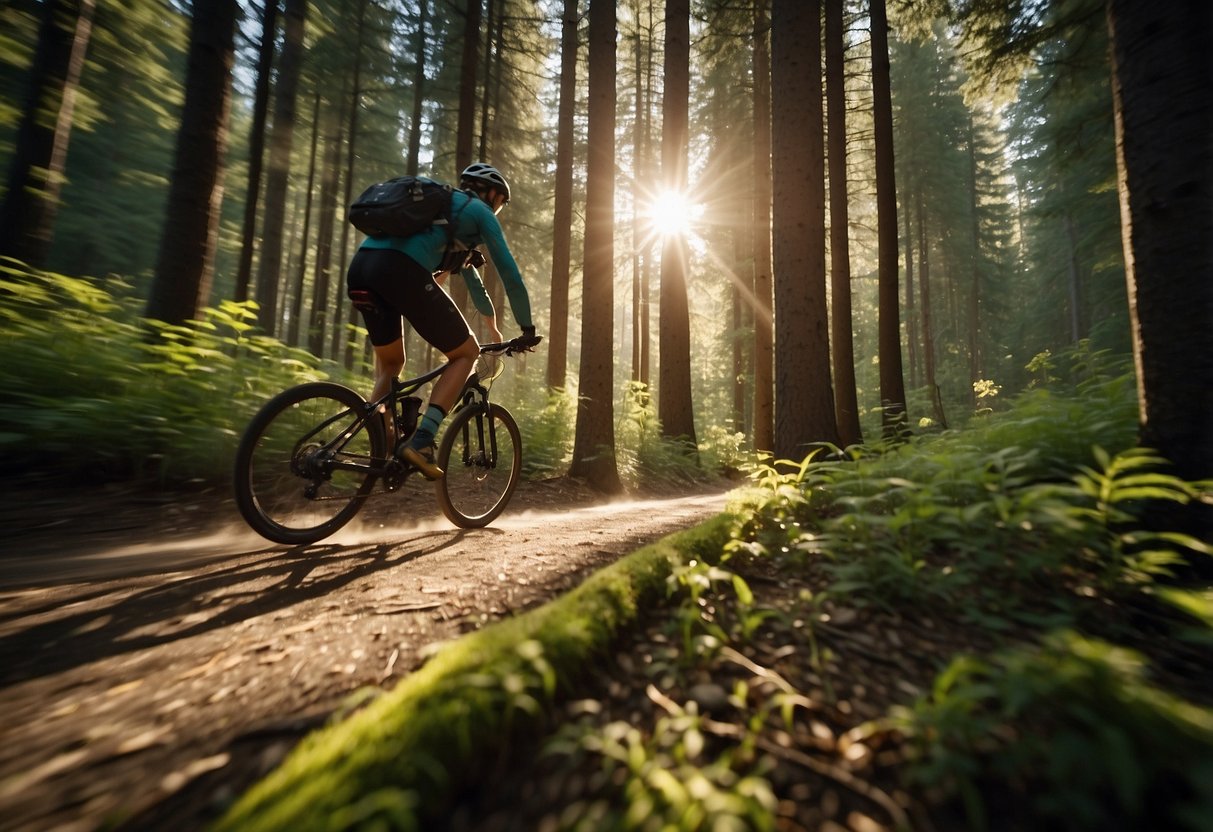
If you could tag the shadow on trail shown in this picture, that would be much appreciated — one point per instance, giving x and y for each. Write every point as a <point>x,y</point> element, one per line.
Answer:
<point>190,605</point>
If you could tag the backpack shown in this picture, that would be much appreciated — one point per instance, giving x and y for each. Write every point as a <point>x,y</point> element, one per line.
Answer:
<point>402,207</point>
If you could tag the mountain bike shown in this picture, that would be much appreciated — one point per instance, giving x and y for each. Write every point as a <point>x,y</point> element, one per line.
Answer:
<point>313,454</point>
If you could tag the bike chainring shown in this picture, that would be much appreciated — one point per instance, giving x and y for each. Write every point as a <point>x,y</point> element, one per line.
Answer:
<point>394,474</point>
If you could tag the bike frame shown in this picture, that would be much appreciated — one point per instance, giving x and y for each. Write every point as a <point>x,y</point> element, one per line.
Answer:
<point>473,394</point>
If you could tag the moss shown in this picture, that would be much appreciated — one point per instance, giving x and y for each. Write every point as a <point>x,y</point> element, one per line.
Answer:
<point>438,726</point>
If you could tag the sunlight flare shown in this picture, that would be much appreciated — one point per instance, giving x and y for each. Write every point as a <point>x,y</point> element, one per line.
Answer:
<point>673,213</point>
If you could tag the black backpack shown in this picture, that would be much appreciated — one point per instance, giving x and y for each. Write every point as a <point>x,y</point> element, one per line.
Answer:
<point>402,207</point>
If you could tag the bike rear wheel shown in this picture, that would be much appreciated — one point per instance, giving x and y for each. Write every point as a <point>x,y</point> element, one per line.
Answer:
<point>307,462</point>
<point>481,453</point>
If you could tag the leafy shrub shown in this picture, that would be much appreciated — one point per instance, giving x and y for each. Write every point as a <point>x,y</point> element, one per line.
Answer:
<point>96,391</point>
<point>547,435</point>
<point>995,521</point>
<point>1070,736</point>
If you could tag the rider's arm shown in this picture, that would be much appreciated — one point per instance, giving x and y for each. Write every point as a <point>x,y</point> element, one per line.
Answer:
<point>480,297</point>
<point>507,268</point>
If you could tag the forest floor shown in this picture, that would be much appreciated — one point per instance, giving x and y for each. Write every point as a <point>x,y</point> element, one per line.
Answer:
<point>156,659</point>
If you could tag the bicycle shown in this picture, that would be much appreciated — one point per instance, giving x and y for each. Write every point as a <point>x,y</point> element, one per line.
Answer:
<point>312,455</point>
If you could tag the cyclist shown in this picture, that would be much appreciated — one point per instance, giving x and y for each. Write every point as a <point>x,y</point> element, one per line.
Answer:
<point>394,277</point>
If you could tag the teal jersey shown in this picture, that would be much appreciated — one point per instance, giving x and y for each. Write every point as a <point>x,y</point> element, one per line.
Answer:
<point>475,223</point>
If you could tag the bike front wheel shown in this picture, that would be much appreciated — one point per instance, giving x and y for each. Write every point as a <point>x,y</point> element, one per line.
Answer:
<point>307,462</point>
<point>481,453</point>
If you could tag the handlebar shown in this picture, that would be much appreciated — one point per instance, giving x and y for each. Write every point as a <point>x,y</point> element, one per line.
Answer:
<point>515,345</point>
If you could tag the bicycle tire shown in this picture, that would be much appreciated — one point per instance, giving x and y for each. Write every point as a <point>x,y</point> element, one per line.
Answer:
<point>479,482</point>
<point>287,484</point>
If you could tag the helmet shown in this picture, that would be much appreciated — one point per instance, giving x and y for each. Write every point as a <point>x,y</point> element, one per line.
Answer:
<point>488,174</point>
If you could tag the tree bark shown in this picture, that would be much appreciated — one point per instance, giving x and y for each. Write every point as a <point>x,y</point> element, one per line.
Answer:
<point>764,346</point>
<point>261,100</point>
<point>804,401</point>
<point>295,326</point>
<point>974,297</point>
<point>488,69</point>
<point>187,246</point>
<point>31,201</point>
<point>342,344</point>
<point>269,271</point>
<point>467,85</point>
<point>846,400</point>
<point>674,406</point>
<point>1161,77</point>
<point>594,441</point>
<point>414,151</point>
<point>321,317</point>
<point>928,332</point>
<point>892,384</point>
<point>562,220</point>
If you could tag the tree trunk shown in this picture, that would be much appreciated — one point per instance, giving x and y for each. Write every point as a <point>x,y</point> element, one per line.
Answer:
<point>321,317</point>
<point>737,301</point>
<point>804,401</point>
<point>31,202</point>
<point>294,326</point>
<point>562,221</point>
<point>674,407</point>
<point>974,298</point>
<point>191,230</point>
<point>892,385</point>
<point>1164,158</point>
<point>846,400</point>
<point>764,347</point>
<point>638,197</point>
<point>261,99</point>
<point>594,442</point>
<point>488,68</point>
<point>928,333</point>
<point>645,165</point>
<point>911,304</point>
<point>342,345</point>
<point>467,86</point>
<point>414,151</point>
<point>269,271</point>
<point>1073,279</point>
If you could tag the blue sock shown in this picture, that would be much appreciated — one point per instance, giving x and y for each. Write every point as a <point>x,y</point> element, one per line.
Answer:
<point>428,427</point>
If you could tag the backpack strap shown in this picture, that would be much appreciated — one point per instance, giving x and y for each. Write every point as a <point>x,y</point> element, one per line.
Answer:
<point>452,219</point>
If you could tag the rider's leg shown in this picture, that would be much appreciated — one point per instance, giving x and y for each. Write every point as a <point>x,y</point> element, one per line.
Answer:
<point>460,363</point>
<point>389,361</point>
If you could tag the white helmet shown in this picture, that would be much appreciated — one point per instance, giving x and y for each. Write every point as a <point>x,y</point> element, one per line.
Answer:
<point>488,174</point>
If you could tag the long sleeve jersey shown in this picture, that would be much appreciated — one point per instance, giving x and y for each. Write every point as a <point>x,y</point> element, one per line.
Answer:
<point>475,223</point>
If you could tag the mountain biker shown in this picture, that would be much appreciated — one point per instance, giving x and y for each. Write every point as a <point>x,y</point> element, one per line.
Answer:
<point>394,277</point>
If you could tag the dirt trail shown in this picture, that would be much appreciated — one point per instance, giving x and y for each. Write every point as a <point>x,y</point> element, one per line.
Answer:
<point>144,684</point>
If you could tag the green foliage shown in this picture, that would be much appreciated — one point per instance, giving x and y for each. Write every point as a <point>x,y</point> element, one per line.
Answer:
<point>646,458</point>
<point>649,460</point>
<point>547,434</point>
<point>1025,499</point>
<point>93,390</point>
<point>1106,508</point>
<point>1076,733</point>
<point>668,780</point>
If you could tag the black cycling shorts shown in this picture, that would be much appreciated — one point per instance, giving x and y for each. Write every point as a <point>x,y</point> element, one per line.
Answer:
<point>386,285</point>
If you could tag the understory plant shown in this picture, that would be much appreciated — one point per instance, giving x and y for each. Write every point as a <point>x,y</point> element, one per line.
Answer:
<point>1068,735</point>
<point>95,391</point>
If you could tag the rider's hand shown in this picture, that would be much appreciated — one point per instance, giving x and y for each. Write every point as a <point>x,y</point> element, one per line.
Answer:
<point>529,339</point>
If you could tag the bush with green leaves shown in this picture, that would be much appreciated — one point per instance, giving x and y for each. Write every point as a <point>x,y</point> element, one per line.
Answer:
<point>95,392</point>
<point>1003,519</point>
<point>1070,735</point>
<point>547,433</point>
